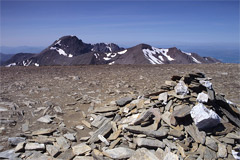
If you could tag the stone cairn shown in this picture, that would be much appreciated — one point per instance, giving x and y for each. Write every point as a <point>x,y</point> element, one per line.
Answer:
<point>184,120</point>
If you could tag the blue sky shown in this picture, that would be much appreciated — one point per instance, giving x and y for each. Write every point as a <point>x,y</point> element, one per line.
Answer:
<point>126,23</point>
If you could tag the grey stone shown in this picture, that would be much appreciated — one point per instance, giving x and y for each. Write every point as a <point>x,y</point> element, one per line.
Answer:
<point>226,140</point>
<point>62,143</point>
<point>103,130</point>
<point>222,150</point>
<point>9,154</point>
<point>123,101</point>
<point>98,121</point>
<point>70,136</point>
<point>20,147</point>
<point>211,144</point>
<point>209,154</point>
<point>182,112</point>
<point>199,137</point>
<point>81,149</point>
<point>119,153</point>
<point>13,141</point>
<point>25,126</point>
<point>105,109</point>
<point>68,154</point>
<point>83,158</point>
<point>52,150</point>
<point>170,156</point>
<point>86,123</point>
<point>43,131</point>
<point>143,154</point>
<point>169,144</point>
<point>58,109</point>
<point>146,142</point>
<point>35,146</point>
<point>161,132</point>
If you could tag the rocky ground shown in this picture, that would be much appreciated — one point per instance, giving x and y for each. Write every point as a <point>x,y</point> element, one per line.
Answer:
<point>62,99</point>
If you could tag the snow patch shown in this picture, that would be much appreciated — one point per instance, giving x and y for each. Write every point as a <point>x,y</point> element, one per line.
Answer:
<point>58,42</point>
<point>113,55</point>
<point>109,48</point>
<point>149,55</point>
<point>95,55</point>
<point>36,64</point>
<point>111,63</point>
<point>122,52</point>
<point>161,58</point>
<point>195,60</point>
<point>70,55</point>
<point>187,53</point>
<point>106,58</point>
<point>11,64</point>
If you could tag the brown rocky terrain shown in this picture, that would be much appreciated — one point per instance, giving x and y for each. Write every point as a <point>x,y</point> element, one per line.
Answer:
<point>66,94</point>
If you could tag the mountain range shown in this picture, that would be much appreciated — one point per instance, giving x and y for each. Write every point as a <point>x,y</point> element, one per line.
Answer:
<point>69,50</point>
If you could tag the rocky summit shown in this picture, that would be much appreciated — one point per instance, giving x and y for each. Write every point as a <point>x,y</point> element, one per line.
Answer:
<point>184,118</point>
<point>69,50</point>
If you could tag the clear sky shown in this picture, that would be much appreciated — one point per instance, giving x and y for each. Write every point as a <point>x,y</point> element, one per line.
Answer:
<point>126,23</point>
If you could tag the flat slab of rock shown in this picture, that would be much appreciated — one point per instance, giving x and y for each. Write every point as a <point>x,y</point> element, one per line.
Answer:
<point>81,149</point>
<point>62,143</point>
<point>15,140</point>
<point>105,109</point>
<point>70,136</point>
<point>35,146</point>
<point>146,142</point>
<point>119,153</point>
<point>123,101</point>
<point>103,130</point>
<point>9,154</point>
<point>161,132</point>
<point>52,150</point>
<point>143,154</point>
<point>199,137</point>
<point>43,131</point>
<point>83,158</point>
<point>182,112</point>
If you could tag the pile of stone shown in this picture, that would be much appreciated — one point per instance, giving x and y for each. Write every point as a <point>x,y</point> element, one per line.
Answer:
<point>185,120</point>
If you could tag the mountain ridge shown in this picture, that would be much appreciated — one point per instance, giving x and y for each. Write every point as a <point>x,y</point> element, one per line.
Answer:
<point>69,50</point>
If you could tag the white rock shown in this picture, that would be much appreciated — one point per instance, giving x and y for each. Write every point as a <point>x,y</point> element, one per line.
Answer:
<point>34,146</point>
<point>81,127</point>
<point>181,88</point>
<point>163,97</point>
<point>45,119</point>
<point>203,117</point>
<point>202,98</point>
<point>103,139</point>
<point>206,84</point>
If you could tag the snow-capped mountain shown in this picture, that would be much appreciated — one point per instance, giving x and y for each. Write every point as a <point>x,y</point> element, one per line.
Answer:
<point>69,50</point>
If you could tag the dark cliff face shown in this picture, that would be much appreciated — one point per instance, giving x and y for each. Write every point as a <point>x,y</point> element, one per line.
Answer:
<point>69,50</point>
